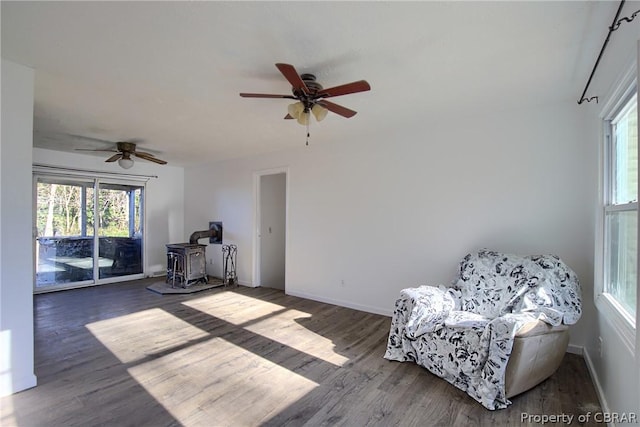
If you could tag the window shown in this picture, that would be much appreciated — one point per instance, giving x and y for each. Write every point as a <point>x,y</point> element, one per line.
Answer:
<point>621,210</point>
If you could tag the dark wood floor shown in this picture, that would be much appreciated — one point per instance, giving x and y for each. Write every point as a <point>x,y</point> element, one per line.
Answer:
<point>124,356</point>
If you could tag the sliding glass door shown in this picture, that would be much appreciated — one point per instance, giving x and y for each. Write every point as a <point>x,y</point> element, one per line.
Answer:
<point>87,231</point>
<point>119,230</point>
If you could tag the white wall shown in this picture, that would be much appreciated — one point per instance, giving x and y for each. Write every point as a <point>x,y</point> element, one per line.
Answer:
<point>388,211</point>
<point>164,199</point>
<point>210,197</point>
<point>16,253</point>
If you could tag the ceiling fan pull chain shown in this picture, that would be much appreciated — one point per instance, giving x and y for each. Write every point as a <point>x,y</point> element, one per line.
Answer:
<point>308,133</point>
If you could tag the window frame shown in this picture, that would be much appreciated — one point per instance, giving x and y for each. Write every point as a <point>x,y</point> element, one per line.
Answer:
<point>623,323</point>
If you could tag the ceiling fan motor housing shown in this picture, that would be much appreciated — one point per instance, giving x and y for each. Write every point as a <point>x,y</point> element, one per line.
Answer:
<point>311,83</point>
<point>126,147</point>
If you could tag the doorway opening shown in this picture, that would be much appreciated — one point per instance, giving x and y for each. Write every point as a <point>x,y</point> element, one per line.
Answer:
<point>271,201</point>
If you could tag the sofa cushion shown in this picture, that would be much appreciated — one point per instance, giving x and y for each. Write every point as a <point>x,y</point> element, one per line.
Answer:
<point>492,283</point>
<point>560,299</point>
<point>429,306</point>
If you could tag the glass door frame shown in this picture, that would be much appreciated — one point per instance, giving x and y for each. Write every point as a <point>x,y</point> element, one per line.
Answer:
<point>96,180</point>
<point>131,227</point>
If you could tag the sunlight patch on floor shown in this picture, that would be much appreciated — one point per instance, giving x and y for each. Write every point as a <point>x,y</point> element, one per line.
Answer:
<point>234,308</point>
<point>209,391</point>
<point>271,321</point>
<point>6,377</point>
<point>7,416</point>
<point>288,328</point>
<point>146,333</point>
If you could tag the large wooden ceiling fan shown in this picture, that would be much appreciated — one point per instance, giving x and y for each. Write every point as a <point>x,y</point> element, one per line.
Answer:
<point>311,96</point>
<point>124,151</point>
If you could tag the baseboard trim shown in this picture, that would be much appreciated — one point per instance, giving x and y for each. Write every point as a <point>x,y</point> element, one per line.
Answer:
<point>240,282</point>
<point>11,385</point>
<point>594,379</point>
<point>575,349</point>
<point>155,274</point>
<point>341,303</point>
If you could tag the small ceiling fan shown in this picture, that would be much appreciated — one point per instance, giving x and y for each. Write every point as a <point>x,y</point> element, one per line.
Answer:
<point>124,152</point>
<point>311,96</point>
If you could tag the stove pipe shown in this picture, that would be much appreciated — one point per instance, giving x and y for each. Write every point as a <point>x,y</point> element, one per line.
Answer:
<point>197,235</point>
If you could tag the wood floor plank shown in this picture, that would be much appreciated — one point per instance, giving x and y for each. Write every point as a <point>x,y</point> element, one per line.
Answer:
<point>120,355</point>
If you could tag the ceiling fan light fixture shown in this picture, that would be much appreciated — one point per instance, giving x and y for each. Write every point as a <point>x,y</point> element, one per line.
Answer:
<point>125,163</point>
<point>303,118</point>
<point>319,112</point>
<point>295,109</point>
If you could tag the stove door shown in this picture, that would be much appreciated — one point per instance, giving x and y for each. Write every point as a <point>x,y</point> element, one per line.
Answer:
<point>197,265</point>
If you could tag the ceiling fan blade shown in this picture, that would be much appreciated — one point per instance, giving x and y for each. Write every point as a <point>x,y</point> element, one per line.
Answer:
<point>151,158</point>
<point>114,157</point>
<point>354,87</point>
<point>289,72</point>
<point>265,95</point>
<point>88,138</point>
<point>95,149</point>
<point>338,109</point>
<point>142,154</point>
<point>288,116</point>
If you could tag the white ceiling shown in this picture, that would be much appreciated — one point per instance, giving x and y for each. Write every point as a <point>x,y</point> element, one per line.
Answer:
<point>168,74</point>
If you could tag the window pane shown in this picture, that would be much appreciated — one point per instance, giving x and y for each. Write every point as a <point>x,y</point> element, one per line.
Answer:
<point>625,133</point>
<point>64,248</point>
<point>622,231</point>
<point>119,231</point>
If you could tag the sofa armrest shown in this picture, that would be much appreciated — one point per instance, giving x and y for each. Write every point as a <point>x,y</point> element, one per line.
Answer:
<point>538,327</point>
<point>538,350</point>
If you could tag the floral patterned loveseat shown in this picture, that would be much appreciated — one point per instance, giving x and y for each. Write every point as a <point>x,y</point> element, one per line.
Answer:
<point>500,325</point>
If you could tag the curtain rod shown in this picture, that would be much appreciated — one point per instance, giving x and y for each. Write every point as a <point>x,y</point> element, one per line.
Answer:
<point>614,26</point>
<point>45,168</point>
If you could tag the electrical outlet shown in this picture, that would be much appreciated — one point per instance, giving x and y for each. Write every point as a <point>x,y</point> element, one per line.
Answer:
<point>342,284</point>
<point>600,347</point>
<point>210,261</point>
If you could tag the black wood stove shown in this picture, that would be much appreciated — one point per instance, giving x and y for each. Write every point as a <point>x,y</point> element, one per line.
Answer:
<point>186,264</point>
